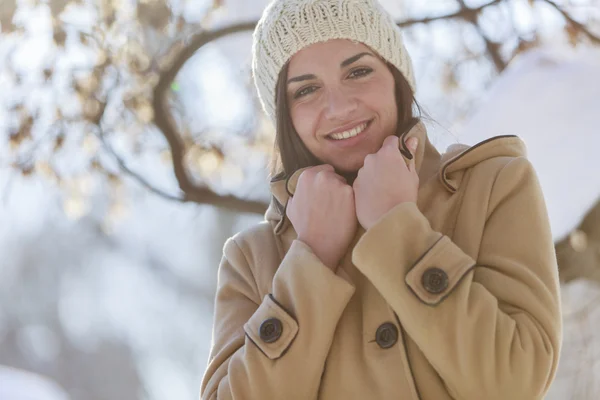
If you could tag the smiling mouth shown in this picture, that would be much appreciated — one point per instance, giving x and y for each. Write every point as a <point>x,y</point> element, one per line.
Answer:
<point>350,133</point>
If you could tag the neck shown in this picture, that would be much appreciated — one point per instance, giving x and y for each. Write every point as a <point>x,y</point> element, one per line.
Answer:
<point>349,176</point>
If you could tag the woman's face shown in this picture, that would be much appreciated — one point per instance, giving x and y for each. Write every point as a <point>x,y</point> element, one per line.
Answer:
<point>341,101</point>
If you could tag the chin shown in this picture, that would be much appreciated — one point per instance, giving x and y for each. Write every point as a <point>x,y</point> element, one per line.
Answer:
<point>349,167</point>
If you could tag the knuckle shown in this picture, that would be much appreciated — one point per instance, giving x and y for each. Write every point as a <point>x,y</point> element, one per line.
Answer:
<point>306,174</point>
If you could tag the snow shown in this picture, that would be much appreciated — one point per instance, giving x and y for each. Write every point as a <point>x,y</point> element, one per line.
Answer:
<point>550,98</point>
<point>22,385</point>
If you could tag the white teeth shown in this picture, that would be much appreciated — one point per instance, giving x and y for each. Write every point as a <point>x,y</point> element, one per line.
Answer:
<point>348,134</point>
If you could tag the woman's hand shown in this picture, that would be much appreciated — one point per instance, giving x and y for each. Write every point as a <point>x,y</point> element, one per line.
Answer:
<point>323,213</point>
<point>384,181</point>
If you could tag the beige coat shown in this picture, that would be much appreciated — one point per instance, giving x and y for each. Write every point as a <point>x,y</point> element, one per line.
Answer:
<point>454,298</point>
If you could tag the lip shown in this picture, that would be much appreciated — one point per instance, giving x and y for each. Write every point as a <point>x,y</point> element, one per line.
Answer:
<point>348,127</point>
<point>353,140</point>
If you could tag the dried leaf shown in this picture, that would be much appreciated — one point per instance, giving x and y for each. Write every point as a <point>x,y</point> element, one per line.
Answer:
<point>59,36</point>
<point>44,169</point>
<point>91,108</point>
<point>526,45</point>
<point>59,141</point>
<point>110,18</point>
<point>96,166</point>
<point>27,170</point>
<point>57,6</point>
<point>88,85</point>
<point>48,73</point>
<point>181,23</point>
<point>102,58</point>
<point>7,11</point>
<point>204,161</point>
<point>156,14</point>
<point>572,34</point>
<point>145,113</point>
<point>16,138</point>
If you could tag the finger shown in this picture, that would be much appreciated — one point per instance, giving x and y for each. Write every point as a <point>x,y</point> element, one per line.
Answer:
<point>313,171</point>
<point>333,175</point>
<point>340,178</point>
<point>322,168</point>
<point>288,207</point>
<point>392,142</point>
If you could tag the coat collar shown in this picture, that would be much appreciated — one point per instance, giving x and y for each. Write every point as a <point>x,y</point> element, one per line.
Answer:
<point>428,161</point>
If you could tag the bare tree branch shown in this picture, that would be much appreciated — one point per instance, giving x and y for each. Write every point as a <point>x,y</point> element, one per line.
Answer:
<point>578,25</point>
<point>165,123</point>
<point>465,13</point>
<point>128,171</point>
<point>471,15</point>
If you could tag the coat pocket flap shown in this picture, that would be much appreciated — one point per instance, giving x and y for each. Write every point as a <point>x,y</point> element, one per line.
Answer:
<point>271,328</point>
<point>436,274</point>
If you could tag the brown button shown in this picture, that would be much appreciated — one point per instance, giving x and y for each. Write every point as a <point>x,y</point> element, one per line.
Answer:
<point>435,280</point>
<point>386,335</point>
<point>270,330</point>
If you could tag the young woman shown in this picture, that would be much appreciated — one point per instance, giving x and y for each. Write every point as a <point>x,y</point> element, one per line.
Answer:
<point>384,270</point>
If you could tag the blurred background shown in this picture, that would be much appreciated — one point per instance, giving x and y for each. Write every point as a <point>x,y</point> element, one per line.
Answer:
<point>132,145</point>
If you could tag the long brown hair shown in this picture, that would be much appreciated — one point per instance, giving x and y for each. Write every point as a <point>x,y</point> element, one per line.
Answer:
<point>290,153</point>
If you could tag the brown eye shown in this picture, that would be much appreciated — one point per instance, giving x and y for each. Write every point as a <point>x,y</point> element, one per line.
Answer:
<point>360,72</point>
<point>304,91</point>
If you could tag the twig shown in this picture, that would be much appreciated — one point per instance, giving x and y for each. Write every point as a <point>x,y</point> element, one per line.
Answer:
<point>471,15</point>
<point>140,179</point>
<point>492,49</point>
<point>464,13</point>
<point>578,25</point>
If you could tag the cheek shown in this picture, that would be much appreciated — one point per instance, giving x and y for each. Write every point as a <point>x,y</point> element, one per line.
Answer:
<point>384,104</point>
<point>387,103</point>
<point>303,120</point>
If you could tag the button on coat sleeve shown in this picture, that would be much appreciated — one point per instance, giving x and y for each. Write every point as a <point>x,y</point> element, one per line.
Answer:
<point>274,347</point>
<point>491,327</point>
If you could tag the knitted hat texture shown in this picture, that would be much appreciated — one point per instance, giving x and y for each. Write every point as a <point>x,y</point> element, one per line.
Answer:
<point>288,26</point>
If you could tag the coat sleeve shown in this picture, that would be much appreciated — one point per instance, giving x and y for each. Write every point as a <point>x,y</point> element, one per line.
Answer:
<point>287,360</point>
<point>490,327</point>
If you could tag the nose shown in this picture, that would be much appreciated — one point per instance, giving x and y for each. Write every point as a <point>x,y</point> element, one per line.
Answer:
<point>340,105</point>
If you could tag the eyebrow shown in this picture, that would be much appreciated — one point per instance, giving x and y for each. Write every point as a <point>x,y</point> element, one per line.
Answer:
<point>354,59</point>
<point>344,63</point>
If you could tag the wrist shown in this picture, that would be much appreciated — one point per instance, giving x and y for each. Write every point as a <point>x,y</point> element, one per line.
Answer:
<point>329,260</point>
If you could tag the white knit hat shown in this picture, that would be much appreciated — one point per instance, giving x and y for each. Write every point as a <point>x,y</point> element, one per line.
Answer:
<point>288,26</point>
